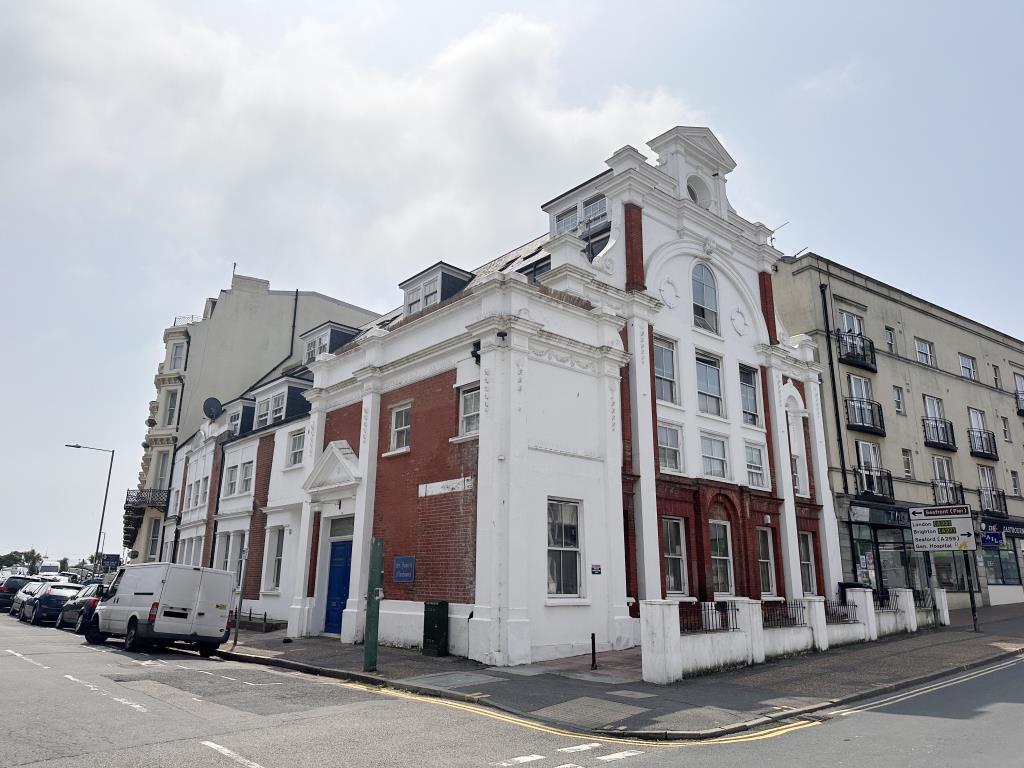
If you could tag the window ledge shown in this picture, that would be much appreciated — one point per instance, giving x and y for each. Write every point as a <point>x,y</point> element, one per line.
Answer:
<point>673,472</point>
<point>754,427</point>
<point>682,598</point>
<point>292,467</point>
<point>772,599</point>
<point>396,452</point>
<point>565,601</point>
<point>714,417</point>
<point>464,438</point>
<point>270,592</point>
<point>706,332</point>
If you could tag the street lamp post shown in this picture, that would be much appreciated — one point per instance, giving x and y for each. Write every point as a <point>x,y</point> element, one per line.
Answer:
<point>103,511</point>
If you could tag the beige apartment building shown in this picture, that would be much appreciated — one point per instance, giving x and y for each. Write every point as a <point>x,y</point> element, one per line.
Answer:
<point>921,406</point>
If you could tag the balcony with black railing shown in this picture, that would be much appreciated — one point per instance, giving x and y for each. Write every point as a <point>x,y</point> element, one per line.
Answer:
<point>993,501</point>
<point>1020,403</point>
<point>864,416</point>
<point>874,484</point>
<point>148,497</point>
<point>948,492</point>
<point>983,444</point>
<point>856,350</point>
<point>938,433</point>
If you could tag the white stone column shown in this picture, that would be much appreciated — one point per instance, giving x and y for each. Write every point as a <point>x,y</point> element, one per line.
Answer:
<point>784,480</point>
<point>814,614</point>
<point>828,526</point>
<point>750,621</point>
<point>299,610</point>
<point>355,609</point>
<point>941,605</point>
<point>645,502</point>
<point>905,604</point>
<point>865,602</point>
<point>660,645</point>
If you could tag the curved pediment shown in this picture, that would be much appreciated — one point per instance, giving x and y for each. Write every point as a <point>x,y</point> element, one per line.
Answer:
<point>336,470</point>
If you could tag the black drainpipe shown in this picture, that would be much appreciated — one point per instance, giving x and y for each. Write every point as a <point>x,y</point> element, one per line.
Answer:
<point>823,287</point>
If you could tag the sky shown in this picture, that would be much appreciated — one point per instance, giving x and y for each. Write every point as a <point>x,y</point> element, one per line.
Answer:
<point>147,147</point>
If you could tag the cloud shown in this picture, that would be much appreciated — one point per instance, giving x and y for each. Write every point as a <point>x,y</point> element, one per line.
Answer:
<point>834,82</point>
<point>201,147</point>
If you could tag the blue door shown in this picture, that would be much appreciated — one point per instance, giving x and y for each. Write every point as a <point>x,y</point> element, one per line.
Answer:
<point>337,584</point>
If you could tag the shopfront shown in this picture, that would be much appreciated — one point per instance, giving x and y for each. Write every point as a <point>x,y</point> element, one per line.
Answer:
<point>1002,544</point>
<point>882,549</point>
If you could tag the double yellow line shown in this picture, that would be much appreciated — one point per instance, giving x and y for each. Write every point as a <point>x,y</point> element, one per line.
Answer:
<point>495,714</point>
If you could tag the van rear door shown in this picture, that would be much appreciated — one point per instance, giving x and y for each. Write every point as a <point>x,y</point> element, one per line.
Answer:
<point>176,612</point>
<point>212,604</point>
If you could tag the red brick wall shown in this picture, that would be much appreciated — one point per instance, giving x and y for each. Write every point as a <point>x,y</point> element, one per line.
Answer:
<point>439,531</point>
<point>626,409</point>
<point>765,395</point>
<point>211,506</point>
<point>258,521</point>
<point>314,548</point>
<point>634,216</point>
<point>764,281</point>
<point>344,424</point>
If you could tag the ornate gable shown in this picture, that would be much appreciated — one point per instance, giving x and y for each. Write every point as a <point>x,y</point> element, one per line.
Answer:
<point>335,472</point>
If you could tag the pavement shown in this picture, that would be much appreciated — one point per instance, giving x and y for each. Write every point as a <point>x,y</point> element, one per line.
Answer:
<point>613,699</point>
<point>67,704</point>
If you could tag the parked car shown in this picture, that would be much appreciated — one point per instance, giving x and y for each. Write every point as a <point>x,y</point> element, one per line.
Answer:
<point>23,594</point>
<point>164,602</point>
<point>9,587</point>
<point>46,603</point>
<point>77,611</point>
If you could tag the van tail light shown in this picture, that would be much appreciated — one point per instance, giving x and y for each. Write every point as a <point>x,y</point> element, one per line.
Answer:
<point>93,602</point>
<point>231,619</point>
<point>152,612</point>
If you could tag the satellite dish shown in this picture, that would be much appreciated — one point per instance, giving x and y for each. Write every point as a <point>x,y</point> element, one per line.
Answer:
<point>212,408</point>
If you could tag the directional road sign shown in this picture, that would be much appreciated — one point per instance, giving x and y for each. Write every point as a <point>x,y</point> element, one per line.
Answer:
<point>943,529</point>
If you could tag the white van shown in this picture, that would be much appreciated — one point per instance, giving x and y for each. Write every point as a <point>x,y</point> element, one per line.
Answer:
<point>163,602</point>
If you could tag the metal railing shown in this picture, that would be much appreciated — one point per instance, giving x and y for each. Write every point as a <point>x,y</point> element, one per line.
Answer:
<point>992,500</point>
<point>948,492</point>
<point>886,601</point>
<point>864,415</point>
<point>148,497</point>
<point>924,599</point>
<point>838,612</point>
<point>938,433</point>
<point>708,617</point>
<point>983,443</point>
<point>856,349</point>
<point>777,615</point>
<point>186,319</point>
<point>873,482</point>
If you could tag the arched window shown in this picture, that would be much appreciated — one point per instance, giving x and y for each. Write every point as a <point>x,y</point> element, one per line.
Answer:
<point>705,298</point>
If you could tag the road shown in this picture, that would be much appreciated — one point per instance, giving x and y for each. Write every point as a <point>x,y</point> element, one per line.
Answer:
<point>65,703</point>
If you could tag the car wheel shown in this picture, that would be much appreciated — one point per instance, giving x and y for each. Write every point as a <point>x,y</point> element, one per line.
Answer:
<point>59,624</point>
<point>206,650</point>
<point>80,624</point>
<point>131,638</point>
<point>21,614</point>
<point>36,619</point>
<point>93,636</point>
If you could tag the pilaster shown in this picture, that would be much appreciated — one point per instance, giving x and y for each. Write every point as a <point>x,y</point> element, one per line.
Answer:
<point>784,480</point>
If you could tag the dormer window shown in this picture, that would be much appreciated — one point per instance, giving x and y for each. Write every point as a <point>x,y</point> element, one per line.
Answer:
<point>567,221</point>
<point>412,301</point>
<point>270,409</point>
<point>430,293</point>
<point>317,346</point>
<point>263,413</point>
<point>235,422</point>
<point>595,212</point>
<point>277,407</point>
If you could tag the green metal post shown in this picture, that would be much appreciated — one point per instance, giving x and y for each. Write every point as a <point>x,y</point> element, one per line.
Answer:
<point>375,581</point>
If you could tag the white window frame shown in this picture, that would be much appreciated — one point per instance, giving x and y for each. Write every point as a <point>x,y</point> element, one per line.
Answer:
<point>997,377</point>
<point>1015,482</point>
<point>262,412</point>
<point>562,548</point>
<point>412,301</point>
<point>728,557</point>
<point>705,456</point>
<point>851,323</point>
<point>469,416</point>
<point>431,292</point>
<point>594,211</point>
<point>968,366</point>
<point>770,561</point>
<point>1006,429</point>
<point>709,318</point>
<point>812,588</point>
<point>231,486</point>
<point>566,221</point>
<point>153,551</point>
<point>669,346</point>
<point>177,355</point>
<point>245,477</point>
<point>225,554</point>
<point>163,462</point>
<point>274,559</point>
<point>890,338</point>
<point>170,407</point>
<point>277,407</point>
<point>666,448</point>
<point>924,352</point>
<point>907,456</point>
<point>204,494</point>
<point>706,396</point>
<point>667,556</point>
<point>295,454</point>
<point>401,436</point>
<point>235,422</point>
<point>750,418</point>
<point>760,468</point>
<point>310,351</point>
<point>899,402</point>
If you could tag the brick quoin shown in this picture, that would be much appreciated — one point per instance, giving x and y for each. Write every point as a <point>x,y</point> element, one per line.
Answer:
<point>634,218</point>
<point>258,521</point>
<point>439,531</point>
<point>764,283</point>
<point>211,506</point>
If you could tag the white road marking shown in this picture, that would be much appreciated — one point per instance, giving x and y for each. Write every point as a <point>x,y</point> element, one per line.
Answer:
<point>204,672</point>
<point>580,748</point>
<point>233,755</point>
<point>246,682</point>
<point>101,692</point>
<point>26,658</point>
<point>620,755</point>
<point>568,765</point>
<point>229,678</point>
<point>518,760</point>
